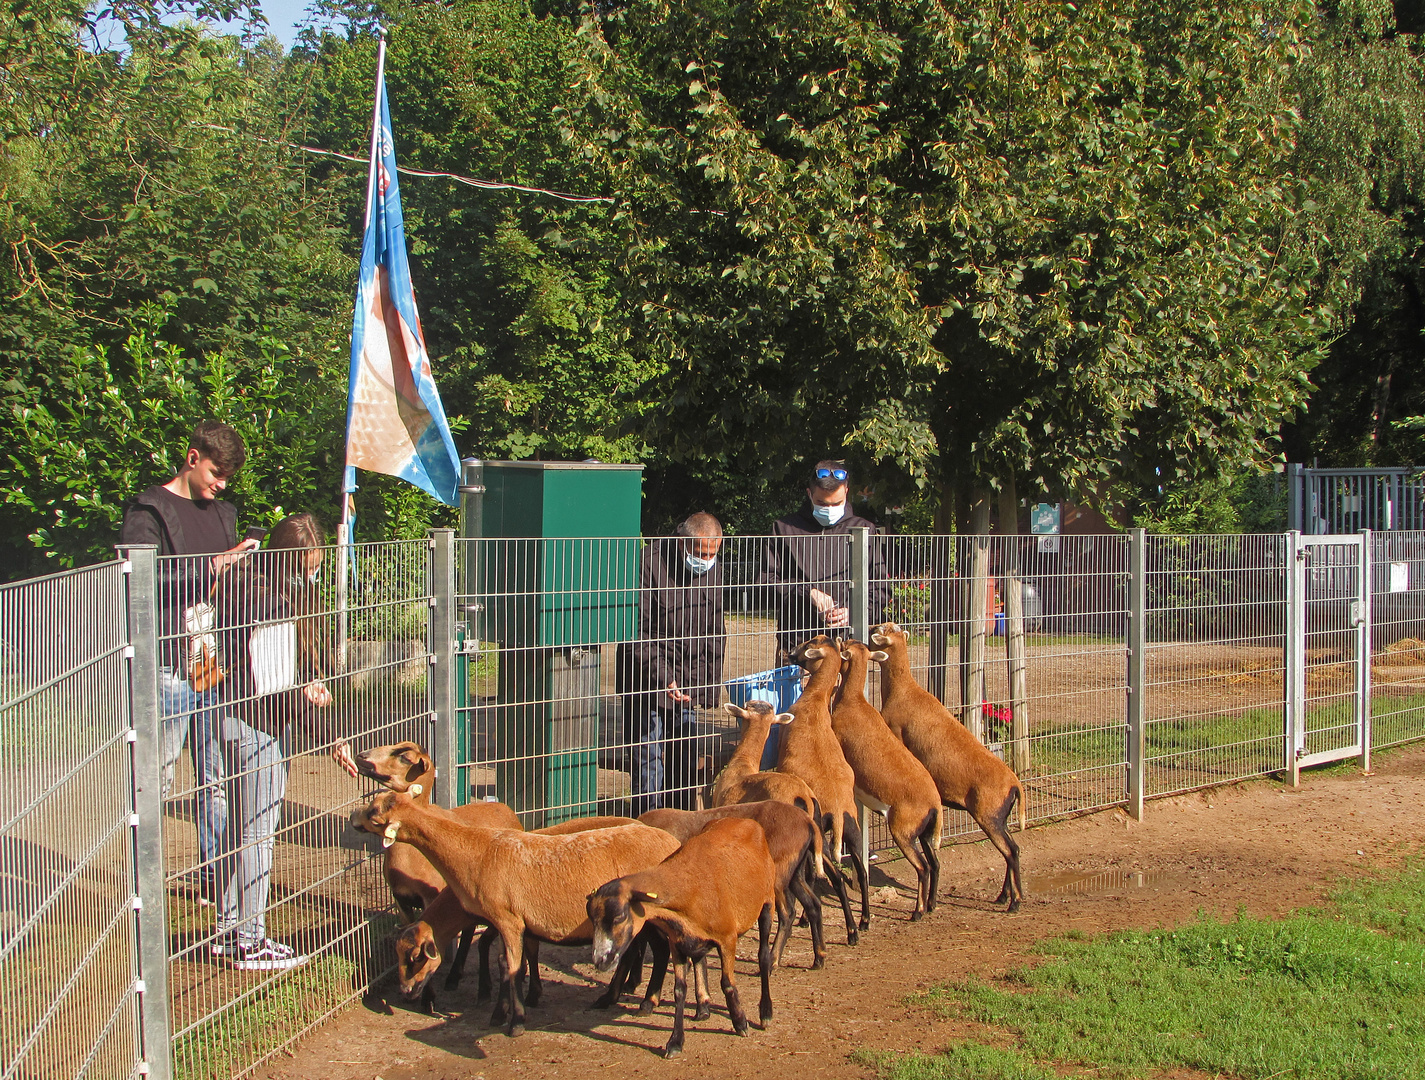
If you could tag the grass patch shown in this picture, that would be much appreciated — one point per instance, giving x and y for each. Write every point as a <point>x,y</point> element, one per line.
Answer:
<point>269,1020</point>
<point>1337,994</point>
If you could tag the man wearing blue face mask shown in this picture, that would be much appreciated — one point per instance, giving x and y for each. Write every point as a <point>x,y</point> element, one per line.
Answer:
<point>808,562</point>
<point>675,666</point>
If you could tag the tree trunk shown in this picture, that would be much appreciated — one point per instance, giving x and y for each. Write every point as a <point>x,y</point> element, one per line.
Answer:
<point>1015,653</point>
<point>974,572</point>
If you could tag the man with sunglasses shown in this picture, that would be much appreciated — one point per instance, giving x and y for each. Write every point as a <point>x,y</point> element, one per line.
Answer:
<point>808,562</point>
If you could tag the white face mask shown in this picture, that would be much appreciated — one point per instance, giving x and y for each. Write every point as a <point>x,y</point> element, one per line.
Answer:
<point>699,565</point>
<point>828,515</point>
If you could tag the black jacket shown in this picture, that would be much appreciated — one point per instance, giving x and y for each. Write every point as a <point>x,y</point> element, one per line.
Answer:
<point>149,519</point>
<point>804,554</point>
<point>681,631</point>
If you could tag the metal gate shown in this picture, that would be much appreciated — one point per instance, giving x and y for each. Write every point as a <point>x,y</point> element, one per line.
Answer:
<point>1328,650</point>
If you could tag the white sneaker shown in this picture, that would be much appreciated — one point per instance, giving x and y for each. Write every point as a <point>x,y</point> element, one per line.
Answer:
<point>267,955</point>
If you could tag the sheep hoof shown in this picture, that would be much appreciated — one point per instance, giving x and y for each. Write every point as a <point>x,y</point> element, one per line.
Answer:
<point>704,1011</point>
<point>917,915</point>
<point>515,1031</point>
<point>818,963</point>
<point>671,1051</point>
<point>741,1027</point>
<point>765,1016</point>
<point>1013,906</point>
<point>646,1007</point>
<point>852,937</point>
<point>604,1001</point>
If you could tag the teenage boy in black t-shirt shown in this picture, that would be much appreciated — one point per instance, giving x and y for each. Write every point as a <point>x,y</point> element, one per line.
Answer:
<point>185,517</point>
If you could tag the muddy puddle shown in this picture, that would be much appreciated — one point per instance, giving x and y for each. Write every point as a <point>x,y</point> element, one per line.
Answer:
<point>1093,882</point>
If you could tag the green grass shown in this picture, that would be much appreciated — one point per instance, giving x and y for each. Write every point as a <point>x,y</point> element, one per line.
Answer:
<point>265,1022</point>
<point>1336,994</point>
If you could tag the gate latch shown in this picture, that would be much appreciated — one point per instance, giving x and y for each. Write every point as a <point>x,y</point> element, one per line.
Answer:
<point>1358,613</point>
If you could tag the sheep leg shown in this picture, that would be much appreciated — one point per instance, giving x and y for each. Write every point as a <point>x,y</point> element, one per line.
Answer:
<point>457,965</point>
<point>486,939</point>
<point>531,968</point>
<point>700,988</point>
<point>930,848</point>
<point>513,937</point>
<point>905,840</point>
<point>680,997</point>
<point>996,830</point>
<point>852,832</point>
<point>653,995</point>
<point>801,889</point>
<point>728,957</point>
<point>786,914</point>
<point>764,964</point>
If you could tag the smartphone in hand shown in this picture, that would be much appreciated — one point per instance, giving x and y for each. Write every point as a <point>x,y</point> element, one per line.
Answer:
<point>255,532</point>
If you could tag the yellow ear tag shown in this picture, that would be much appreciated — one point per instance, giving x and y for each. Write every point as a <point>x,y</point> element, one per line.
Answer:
<point>416,789</point>
<point>390,835</point>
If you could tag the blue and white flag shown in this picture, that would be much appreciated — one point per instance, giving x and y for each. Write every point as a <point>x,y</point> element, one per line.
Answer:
<point>395,423</point>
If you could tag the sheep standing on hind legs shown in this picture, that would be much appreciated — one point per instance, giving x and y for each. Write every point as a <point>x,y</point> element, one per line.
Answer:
<point>740,781</point>
<point>889,779</point>
<point>967,775</point>
<point>705,895</point>
<point>811,751</point>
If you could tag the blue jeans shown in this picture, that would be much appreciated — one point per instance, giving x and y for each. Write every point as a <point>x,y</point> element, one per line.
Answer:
<point>663,752</point>
<point>186,709</point>
<point>257,784</point>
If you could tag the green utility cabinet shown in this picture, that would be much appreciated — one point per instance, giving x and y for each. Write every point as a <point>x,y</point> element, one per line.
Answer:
<point>553,575</point>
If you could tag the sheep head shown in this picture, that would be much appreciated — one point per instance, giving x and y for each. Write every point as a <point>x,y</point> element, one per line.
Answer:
<point>888,635</point>
<point>758,710</point>
<point>616,913</point>
<point>382,815</point>
<point>397,766</point>
<point>417,959</point>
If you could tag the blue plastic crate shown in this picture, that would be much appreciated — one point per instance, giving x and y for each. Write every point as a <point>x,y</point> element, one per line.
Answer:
<point>779,687</point>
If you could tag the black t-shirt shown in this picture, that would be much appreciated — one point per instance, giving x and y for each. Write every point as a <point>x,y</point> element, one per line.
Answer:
<point>204,532</point>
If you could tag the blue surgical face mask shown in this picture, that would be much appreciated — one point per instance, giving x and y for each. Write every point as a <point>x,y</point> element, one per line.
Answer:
<point>828,515</point>
<point>699,565</point>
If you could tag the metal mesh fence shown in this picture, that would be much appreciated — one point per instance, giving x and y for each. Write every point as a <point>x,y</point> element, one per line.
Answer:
<point>589,678</point>
<point>67,882</point>
<point>1216,661</point>
<point>1397,613</point>
<point>260,864</point>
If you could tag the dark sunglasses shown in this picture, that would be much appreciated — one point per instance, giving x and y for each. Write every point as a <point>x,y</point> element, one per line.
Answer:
<point>839,474</point>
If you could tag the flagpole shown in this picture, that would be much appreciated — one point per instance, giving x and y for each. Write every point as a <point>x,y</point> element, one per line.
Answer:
<point>344,539</point>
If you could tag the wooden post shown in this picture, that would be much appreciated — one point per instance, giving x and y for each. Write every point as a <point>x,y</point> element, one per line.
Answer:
<point>975,590</point>
<point>1015,653</point>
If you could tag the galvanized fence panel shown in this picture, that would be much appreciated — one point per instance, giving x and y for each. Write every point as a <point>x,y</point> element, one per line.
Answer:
<point>1397,613</point>
<point>550,707</point>
<point>564,708</point>
<point>283,863</point>
<point>1215,660</point>
<point>67,879</point>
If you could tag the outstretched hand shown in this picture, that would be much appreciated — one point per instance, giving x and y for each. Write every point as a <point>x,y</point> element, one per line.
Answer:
<point>341,754</point>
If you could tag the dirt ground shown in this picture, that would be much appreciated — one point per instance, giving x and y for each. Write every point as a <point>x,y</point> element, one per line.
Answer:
<point>1261,846</point>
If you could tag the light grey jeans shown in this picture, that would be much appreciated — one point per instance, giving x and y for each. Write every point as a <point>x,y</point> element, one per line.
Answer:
<point>257,782</point>
<point>185,710</point>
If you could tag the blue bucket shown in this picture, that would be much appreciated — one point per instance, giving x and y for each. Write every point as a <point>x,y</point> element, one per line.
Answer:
<point>779,687</point>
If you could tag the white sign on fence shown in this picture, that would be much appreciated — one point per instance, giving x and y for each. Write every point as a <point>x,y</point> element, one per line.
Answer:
<point>1400,577</point>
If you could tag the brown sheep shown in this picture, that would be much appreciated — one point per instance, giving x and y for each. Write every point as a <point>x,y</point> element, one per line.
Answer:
<point>520,883</point>
<point>968,776</point>
<point>794,841</point>
<point>704,896</point>
<point>810,750</point>
<point>889,779</point>
<point>741,782</point>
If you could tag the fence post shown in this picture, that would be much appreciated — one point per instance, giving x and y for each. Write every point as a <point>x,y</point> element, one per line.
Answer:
<point>1366,633</point>
<point>1294,496</point>
<point>145,717</point>
<point>1295,658</point>
<point>442,670</point>
<point>861,631</point>
<point>1137,667</point>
